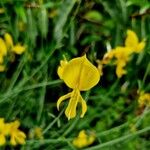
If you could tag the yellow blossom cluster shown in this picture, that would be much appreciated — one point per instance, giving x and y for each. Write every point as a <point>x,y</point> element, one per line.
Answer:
<point>84,139</point>
<point>6,47</point>
<point>121,54</point>
<point>80,75</point>
<point>144,99</point>
<point>11,130</point>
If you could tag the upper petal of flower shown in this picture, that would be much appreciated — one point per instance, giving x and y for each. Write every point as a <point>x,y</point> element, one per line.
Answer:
<point>80,73</point>
<point>132,39</point>
<point>60,70</point>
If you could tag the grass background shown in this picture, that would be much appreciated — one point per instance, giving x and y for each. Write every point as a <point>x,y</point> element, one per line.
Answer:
<point>52,29</point>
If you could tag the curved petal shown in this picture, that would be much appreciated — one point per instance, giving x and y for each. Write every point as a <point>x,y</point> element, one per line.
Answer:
<point>8,40</point>
<point>60,69</point>
<point>140,47</point>
<point>132,39</point>
<point>62,98</point>
<point>71,108</point>
<point>89,75</point>
<point>80,73</point>
<point>83,105</point>
<point>120,71</point>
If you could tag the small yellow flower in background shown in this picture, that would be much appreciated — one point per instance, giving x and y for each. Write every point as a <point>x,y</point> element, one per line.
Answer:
<point>80,75</point>
<point>132,41</point>
<point>2,68</point>
<point>21,26</point>
<point>18,49</point>
<point>36,133</point>
<point>16,135</point>
<point>7,46</point>
<point>2,10</point>
<point>11,129</point>
<point>84,139</point>
<point>3,48</point>
<point>8,40</point>
<point>144,99</point>
<point>2,132</point>
<point>122,54</point>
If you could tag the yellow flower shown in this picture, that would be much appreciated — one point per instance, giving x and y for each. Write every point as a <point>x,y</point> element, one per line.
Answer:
<point>8,40</point>
<point>84,139</point>
<point>132,41</point>
<point>120,71</point>
<point>2,10</point>
<point>16,136</point>
<point>2,132</point>
<point>18,49</point>
<point>1,59</point>
<point>122,54</point>
<point>3,48</point>
<point>108,56</point>
<point>80,75</point>
<point>36,133</point>
<point>2,68</point>
<point>144,99</point>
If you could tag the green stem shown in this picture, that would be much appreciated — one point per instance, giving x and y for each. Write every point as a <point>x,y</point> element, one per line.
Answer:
<point>53,122</point>
<point>118,140</point>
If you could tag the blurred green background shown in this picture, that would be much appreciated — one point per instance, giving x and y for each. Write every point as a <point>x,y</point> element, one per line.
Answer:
<point>54,29</point>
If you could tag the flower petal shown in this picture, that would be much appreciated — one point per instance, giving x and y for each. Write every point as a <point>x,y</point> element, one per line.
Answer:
<point>8,40</point>
<point>80,73</point>
<point>140,47</point>
<point>2,139</point>
<point>120,71</point>
<point>132,39</point>
<point>62,98</point>
<point>13,141</point>
<point>19,49</point>
<point>84,106</point>
<point>60,69</point>
<point>89,75</point>
<point>71,108</point>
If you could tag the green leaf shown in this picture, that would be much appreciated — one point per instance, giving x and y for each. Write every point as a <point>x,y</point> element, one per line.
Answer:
<point>43,22</point>
<point>93,15</point>
<point>61,19</point>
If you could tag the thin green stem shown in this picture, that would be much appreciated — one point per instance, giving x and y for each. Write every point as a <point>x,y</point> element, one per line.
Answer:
<point>118,140</point>
<point>53,122</point>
